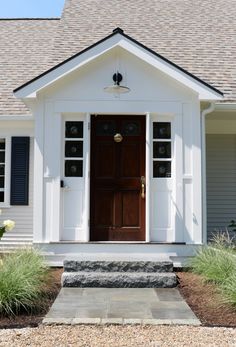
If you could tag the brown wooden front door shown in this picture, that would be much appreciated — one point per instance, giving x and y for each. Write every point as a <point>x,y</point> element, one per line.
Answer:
<point>117,205</point>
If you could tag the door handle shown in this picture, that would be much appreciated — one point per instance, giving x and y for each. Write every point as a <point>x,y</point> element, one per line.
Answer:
<point>143,184</point>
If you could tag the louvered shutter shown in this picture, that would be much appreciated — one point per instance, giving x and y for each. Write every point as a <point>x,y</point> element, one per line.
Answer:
<point>20,170</point>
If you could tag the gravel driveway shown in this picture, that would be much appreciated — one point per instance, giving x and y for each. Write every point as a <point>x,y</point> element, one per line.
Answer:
<point>117,336</point>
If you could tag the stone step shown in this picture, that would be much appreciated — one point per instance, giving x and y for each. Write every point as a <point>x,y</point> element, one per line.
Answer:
<point>118,266</point>
<point>119,279</point>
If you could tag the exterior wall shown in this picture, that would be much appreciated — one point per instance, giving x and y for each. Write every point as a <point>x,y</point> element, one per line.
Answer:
<point>22,215</point>
<point>173,205</point>
<point>221,170</point>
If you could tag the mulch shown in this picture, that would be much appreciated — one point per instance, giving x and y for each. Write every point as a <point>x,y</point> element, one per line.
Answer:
<point>202,297</point>
<point>206,301</point>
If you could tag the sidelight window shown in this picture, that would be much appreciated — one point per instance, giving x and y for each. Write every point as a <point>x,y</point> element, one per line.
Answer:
<point>162,149</point>
<point>74,132</point>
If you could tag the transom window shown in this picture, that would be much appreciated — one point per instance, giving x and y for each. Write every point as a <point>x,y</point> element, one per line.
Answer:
<point>2,168</point>
<point>162,152</point>
<point>73,155</point>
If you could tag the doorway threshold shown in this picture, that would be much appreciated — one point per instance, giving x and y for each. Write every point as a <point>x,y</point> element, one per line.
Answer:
<point>119,242</point>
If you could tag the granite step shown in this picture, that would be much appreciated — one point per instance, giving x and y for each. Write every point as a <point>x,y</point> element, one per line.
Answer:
<point>84,279</point>
<point>118,266</point>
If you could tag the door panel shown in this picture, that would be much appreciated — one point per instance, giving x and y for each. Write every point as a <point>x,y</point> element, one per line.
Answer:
<point>117,207</point>
<point>104,154</point>
<point>130,168</point>
<point>130,209</point>
<point>104,216</point>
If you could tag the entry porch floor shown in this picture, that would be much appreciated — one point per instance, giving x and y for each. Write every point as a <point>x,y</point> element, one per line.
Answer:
<point>120,306</point>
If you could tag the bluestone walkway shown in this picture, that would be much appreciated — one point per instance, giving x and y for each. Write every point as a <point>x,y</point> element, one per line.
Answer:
<point>120,306</point>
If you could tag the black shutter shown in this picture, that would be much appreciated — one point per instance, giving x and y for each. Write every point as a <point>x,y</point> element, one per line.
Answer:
<point>20,170</point>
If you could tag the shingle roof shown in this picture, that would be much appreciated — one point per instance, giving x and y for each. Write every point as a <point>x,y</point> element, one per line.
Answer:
<point>197,35</point>
<point>25,49</point>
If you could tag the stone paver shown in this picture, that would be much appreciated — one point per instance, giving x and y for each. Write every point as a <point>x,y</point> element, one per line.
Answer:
<point>152,306</point>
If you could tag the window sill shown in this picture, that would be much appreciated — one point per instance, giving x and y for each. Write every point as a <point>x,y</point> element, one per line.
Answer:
<point>4,206</point>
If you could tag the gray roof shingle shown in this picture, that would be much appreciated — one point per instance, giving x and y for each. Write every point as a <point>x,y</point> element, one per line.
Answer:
<point>197,35</point>
<point>25,49</point>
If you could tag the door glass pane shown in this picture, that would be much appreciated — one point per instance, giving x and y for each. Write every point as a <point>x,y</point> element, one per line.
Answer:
<point>105,128</point>
<point>74,149</point>
<point>74,129</point>
<point>1,196</point>
<point>2,157</point>
<point>161,130</point>
<point>2,144</point>
<point>2,169</point>
<point>161,169</point>
<point>161,150</point>
<point>73,168</point>
<point>131,128</point>
<point>1,182</point>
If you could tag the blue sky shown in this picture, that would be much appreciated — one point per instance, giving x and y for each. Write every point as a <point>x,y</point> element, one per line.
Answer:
<point>30,8</point>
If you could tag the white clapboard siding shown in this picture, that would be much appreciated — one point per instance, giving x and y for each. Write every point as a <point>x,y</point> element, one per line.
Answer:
<point>22,234</point>
<point>221,181</point>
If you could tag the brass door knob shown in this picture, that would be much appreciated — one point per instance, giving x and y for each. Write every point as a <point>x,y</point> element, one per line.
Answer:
<point>143,185</point>
<point>118,138</point>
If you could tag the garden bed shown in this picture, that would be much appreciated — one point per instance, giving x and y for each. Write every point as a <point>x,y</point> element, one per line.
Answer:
<point>203,299</point>
<point>206,301</point>
<point>34,319</point>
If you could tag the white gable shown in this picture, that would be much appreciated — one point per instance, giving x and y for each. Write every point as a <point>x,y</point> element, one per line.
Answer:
<point>118,40</point>
<point>145,82</point>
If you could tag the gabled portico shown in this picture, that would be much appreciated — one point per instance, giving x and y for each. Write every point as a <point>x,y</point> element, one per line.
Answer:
<point>77,157</point>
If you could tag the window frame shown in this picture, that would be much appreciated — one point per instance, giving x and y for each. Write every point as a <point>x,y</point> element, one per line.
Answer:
<point>68,139</point>
<point>168,140</point>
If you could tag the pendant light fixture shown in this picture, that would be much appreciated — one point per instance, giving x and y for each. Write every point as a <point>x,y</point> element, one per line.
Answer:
<point>116,88</point>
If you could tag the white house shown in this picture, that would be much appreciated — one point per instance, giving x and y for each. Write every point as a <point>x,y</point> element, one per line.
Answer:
<point>119,141</point>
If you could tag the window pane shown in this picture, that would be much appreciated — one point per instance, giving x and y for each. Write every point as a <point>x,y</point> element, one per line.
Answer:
<point>161,130</point>
<point>74,129</point>
<point>2,169</point>
<point>2,144</point>
<point>105,128</point>
<point>73,168</point>
<point>1,196</point>
<point>161,150</point>
<point>2,182</point>
<point>130,128</point>
<point>74,149</point>
<point>162,169</point>
<point>2,157</point>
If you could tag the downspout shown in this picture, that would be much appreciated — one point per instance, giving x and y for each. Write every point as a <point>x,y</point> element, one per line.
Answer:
<point>205,112</point>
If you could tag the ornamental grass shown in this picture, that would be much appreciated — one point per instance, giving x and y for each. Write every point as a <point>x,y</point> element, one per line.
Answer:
<point>217,263</point>
<point>23,275</point>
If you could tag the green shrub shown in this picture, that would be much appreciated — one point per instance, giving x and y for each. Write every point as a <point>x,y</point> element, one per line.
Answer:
<point>22,278</point>
<point>215,264</point>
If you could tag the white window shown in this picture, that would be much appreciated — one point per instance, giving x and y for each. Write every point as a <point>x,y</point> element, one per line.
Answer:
<point>73,156</point>
<point>162,149</point>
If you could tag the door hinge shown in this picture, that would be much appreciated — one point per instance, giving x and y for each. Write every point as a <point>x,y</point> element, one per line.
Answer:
<point>88,125</point>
